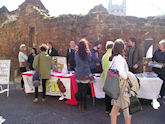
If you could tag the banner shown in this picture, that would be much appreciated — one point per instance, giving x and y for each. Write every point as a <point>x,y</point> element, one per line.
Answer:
<point>4,71</point>
<point>51,86</point>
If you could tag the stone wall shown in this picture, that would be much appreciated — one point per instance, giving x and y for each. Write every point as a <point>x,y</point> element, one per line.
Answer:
<point>33,26</point>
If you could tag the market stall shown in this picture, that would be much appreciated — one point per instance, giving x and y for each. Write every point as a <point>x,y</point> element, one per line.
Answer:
<point>150,86</point>
<point>52,87</point>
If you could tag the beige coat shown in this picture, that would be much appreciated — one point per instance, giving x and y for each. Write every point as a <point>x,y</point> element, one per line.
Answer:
<point>123,100</point>
<point>45,65</point>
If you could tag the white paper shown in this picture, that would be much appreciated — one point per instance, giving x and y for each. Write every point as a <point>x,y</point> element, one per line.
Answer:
<point>156,65</point>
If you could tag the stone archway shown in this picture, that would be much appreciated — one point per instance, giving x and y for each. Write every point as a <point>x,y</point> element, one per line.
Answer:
<point>147,45</point>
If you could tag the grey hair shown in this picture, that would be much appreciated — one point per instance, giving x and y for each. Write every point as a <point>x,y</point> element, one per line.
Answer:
<point>109,43</point>
<point>162,42</point>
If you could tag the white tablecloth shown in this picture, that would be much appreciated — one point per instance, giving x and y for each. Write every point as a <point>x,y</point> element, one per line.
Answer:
<point>98,88</point>
<point>149,88</point>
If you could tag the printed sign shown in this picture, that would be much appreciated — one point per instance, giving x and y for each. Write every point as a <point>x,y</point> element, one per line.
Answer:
<point>4,71</point>
<point>51,86</point>
<point>58,63</point>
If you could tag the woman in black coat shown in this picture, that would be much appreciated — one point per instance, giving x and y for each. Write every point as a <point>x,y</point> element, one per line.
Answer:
<point>31,58</point>
<point>159,57</point>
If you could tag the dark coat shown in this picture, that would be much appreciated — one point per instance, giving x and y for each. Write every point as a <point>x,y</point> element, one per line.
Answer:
<point>54,52</point>
<point>94,59</point>
<point>160,58</point>
<point>82,69</point>
<point>137,59</point>
<point>30,61</point>
<point>71,58</point>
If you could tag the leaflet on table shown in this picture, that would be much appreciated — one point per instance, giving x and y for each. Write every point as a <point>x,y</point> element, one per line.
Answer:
<point>147,75</point>
<point>156,65</point>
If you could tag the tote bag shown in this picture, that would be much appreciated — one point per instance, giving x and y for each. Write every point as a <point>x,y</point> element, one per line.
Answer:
<point>36,76</point>
<point>112,84</point>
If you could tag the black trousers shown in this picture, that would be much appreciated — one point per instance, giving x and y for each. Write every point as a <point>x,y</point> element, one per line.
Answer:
<point>108,105</point>
<point>71,68</point>
<point>93,71</point>
<point>43,89</point>
<point>22,69</point>
<point>82,92</point>
<point>162,92</point>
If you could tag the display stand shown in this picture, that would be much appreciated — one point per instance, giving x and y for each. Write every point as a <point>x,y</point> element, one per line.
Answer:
<point>4,75</point>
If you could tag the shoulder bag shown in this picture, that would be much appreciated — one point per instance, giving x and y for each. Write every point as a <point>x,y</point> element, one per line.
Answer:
<point>112,84</point>
<point>135,105</point>
<point>36,76</point>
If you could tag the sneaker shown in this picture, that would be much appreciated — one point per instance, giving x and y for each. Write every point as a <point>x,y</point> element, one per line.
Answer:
<point>2,120</point>
<point>61,98</point>
<point>35,100</point>
<point>43,100</point>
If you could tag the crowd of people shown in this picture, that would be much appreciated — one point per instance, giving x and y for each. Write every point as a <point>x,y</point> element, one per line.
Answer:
<point>86,61</point>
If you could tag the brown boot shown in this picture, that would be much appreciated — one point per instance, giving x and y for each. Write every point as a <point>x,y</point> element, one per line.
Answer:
<point>43,100</point>
<point>35,100</point>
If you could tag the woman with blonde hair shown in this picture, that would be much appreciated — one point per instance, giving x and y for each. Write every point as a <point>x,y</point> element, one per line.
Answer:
<point>22,58</point>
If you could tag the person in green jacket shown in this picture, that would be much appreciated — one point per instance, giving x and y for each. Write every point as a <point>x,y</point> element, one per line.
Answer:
<point>45,70</point>
<point>106,66</point>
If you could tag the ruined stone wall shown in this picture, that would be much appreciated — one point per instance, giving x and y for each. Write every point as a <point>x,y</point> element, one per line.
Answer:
<point>61,30</point>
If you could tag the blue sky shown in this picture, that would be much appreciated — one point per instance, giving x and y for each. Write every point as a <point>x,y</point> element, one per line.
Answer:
<point>139,8</point>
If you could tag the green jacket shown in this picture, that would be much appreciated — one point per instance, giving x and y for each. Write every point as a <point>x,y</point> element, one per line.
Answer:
<point>45,65</point>
<point>137,58</point>
<point>105,64</point>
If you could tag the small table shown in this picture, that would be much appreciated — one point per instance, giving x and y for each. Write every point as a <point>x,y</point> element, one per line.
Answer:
<point>149,88</point>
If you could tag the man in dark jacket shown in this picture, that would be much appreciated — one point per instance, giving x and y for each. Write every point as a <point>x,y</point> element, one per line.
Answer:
<point>52,52</point>
<point>134,57</point>
<point>71,56</point>
<point>95,63</point>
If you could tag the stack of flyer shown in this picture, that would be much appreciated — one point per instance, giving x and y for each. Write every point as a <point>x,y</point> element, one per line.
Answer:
<point>156,65</point>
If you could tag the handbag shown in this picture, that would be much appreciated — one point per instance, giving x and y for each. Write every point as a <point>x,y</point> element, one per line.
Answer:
<point>61,86</point>
<point>36,76</point>
<point>135,105</point>
<point>112,84</point>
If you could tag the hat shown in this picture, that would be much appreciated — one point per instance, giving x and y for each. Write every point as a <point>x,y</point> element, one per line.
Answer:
<point>96,43</point>
<point>109,43</point>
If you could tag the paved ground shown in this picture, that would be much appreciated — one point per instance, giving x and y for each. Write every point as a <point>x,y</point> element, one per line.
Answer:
<point>18,108</point>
